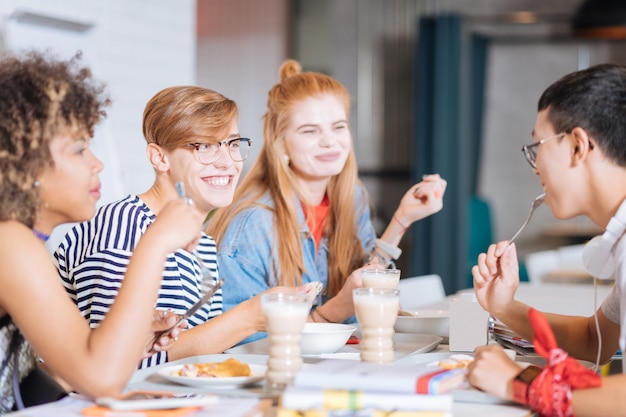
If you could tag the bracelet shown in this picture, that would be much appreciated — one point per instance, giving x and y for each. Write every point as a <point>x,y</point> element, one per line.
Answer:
<point>319,313</point>
<point>388,262</point>
<point>313,317</point>
<point>522,381</point>
<point>380,257</point>
<point>393,251</point>
<point>399,222</point>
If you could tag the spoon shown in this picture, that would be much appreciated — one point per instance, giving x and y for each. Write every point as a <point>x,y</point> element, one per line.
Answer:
<point>535,204</point>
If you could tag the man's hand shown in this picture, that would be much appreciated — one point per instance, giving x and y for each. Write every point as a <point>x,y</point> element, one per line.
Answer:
<point>163,320</point>
<point>496,277</point>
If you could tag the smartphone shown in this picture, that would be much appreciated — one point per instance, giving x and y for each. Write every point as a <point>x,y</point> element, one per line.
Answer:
<point>155,400</point>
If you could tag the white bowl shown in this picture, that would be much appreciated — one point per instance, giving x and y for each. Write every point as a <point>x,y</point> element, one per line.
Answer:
<point>319,338</point>
<point>435,322</point>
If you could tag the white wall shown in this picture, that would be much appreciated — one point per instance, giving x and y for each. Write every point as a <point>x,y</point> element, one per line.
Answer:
<point>137,47</point>
<point>241,44</point>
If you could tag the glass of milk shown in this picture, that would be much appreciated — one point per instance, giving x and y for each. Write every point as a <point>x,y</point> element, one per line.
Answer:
<point>380,278</point>
<point>285,315</point>
<point>376,310</point>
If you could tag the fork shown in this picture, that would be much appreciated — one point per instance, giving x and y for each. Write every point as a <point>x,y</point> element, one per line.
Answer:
<point>535,204</point>
<point>209,291</point>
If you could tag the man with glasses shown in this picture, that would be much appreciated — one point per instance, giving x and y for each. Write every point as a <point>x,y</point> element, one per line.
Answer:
<point>192,138</point>
<point>579,154</point>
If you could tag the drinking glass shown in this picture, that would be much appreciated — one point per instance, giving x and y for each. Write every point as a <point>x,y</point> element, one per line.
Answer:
<point>380,278</point>
<point>285,315</point>
<point>376,310</point>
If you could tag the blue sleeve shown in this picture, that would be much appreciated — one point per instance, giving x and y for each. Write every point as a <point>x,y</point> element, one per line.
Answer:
<point>244,258</point>
<point>366,232</point>
<point>244,254</point>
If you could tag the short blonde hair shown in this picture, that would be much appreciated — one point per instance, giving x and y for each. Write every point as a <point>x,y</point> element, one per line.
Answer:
<point>176,116</point>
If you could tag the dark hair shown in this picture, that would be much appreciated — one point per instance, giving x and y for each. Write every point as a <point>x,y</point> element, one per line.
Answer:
<point>595,100</point>
<point>40,97</point>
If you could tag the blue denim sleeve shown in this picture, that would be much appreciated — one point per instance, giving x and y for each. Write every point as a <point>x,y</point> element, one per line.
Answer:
<point>244,254</point>
<point>366,232</point>
<point>244,260</point>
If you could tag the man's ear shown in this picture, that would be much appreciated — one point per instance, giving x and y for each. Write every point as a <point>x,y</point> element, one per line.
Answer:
<point>157,157</point>
<point>581,145</point>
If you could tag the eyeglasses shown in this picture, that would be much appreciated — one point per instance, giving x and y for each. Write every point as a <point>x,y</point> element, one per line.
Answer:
<point>530,151</point>
<point>207,153</point>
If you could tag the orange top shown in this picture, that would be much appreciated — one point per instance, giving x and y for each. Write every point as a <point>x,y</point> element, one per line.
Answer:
<point>317,219</point>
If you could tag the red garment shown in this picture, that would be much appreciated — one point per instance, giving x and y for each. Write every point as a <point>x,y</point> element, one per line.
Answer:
<point>316,219</point>
<point>550,393</point>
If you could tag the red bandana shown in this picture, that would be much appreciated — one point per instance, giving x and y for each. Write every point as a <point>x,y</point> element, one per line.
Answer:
<point>550,393</point>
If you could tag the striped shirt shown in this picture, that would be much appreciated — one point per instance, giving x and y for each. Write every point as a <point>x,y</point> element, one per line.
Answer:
<point>93,257</point>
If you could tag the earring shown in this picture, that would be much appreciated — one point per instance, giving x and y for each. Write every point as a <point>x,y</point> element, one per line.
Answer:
<point>36,184</point>
<point>286,159</point>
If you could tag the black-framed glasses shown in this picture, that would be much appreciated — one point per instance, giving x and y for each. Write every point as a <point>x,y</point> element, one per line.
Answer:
<point>530,151</point>
<point>207,153</point>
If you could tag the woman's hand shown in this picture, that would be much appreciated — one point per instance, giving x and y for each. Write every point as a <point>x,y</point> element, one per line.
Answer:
<point>421,200</point>
<point>493,371</point>
<point>178,225</point>
<point>341,306</point>
<point>496,277</point>
<point>255,314</point>
<point>163,320</point>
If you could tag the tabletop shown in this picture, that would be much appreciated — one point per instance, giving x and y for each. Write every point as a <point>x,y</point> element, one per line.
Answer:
<point>250,401</point>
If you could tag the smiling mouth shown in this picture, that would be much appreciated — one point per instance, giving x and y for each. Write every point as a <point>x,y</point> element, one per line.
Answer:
<point>328,156</point>
<point>218,181</point>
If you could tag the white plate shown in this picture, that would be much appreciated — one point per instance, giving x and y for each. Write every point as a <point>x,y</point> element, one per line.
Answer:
<point>403,344</point>
<point>436,322</point>
<point>257,374</point>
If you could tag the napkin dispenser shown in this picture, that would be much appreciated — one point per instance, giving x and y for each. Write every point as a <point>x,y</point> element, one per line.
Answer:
<point>469,323</point>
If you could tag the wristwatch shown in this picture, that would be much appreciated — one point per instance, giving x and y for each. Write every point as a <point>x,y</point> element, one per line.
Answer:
<point>522,381</point>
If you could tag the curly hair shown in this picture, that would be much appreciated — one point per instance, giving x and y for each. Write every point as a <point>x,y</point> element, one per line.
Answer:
<point>40,98</point>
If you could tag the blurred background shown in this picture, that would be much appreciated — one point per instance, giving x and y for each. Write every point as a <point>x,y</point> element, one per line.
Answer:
<point>447,86</point>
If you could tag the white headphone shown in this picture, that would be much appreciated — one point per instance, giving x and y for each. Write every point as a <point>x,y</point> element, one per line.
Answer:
<point>598,253</point>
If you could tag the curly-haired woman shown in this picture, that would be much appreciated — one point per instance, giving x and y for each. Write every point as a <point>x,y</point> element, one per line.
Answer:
<point>49,176</point>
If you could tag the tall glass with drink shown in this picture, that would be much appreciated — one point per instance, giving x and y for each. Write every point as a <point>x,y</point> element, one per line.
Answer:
<point>380,278</point>
<point>376,310</point>
<point>285,315</point>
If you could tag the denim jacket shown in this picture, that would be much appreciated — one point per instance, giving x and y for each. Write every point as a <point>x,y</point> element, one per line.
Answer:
<point>248,262</point>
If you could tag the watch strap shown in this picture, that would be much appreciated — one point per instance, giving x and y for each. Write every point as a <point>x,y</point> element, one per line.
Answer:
<point>522,381</point>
